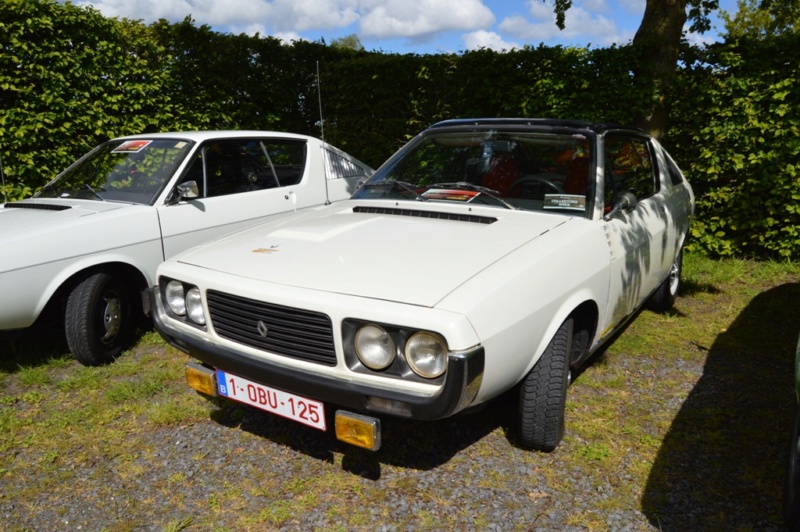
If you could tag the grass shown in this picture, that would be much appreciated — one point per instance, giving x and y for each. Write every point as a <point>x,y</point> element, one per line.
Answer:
<point>689,407</point>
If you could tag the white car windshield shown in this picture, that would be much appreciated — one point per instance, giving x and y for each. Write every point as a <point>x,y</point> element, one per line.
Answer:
<point>133,171</point>
<point>517,169</point>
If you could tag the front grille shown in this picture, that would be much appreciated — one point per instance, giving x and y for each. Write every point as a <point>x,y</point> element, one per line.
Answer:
<point>285,331</point>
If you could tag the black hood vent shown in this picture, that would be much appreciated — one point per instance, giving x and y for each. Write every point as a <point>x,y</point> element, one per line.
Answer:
<point>39,206</point>
<point>427,214</point>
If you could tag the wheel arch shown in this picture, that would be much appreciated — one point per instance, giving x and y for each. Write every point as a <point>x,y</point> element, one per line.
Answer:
<point>585,318</point>
<point>585,315</point>
<point>134,278</point>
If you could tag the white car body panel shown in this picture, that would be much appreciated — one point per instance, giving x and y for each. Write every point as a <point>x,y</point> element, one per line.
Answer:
<point>323,250</point>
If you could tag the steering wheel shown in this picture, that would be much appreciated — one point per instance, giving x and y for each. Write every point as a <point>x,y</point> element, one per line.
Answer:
<point>536,179</point>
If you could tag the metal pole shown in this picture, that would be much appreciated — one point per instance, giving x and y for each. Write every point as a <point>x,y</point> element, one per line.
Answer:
<point>3,177</point>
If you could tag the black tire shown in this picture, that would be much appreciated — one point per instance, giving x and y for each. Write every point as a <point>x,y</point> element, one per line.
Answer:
<point>664,297</point>
<point>98,321</point>
<point>791,488</point>
<point>543,394</point>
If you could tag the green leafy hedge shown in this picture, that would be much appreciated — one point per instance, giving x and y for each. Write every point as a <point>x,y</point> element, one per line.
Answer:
<point>71,78</point>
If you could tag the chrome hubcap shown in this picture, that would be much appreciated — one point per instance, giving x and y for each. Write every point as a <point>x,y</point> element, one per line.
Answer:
<point>112,317</point>
<point>674,278</point>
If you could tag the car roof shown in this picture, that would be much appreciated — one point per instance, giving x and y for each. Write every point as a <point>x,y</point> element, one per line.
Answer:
<point>531,123</point>
<point>199,136</point>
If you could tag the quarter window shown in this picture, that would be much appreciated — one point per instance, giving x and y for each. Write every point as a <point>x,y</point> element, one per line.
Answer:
<point>339,167</point>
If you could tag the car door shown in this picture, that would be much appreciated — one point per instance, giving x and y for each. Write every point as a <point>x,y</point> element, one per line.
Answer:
<point>241,182</point>
<point>641,240</point>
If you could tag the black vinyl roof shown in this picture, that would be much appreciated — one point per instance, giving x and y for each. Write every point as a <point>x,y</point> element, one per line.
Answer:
<point>546,123</point>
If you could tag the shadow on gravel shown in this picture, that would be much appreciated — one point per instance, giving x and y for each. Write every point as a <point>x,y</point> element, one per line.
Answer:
<point>410,444</point>
<point>32,346</point>
<point>721,464</point>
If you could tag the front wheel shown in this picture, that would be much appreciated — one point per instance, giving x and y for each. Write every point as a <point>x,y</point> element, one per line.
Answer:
<point>664,296</point>
<point>98,319</point>
<point>543,394</point>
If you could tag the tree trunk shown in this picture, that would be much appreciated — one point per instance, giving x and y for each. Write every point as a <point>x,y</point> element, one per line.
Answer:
<point>657,42</point>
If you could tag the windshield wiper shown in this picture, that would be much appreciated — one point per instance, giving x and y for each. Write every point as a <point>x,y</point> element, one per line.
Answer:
<point>463,185</point>
<point>87,186</point>
<point>408,187</point>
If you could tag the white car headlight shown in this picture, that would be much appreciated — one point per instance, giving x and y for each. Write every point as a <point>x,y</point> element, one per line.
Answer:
<point>176,299</point>
<point>426,353</point>
<point>194,306</point>
<point>374,347</point>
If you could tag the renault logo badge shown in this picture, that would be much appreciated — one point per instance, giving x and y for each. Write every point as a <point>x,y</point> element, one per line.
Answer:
<point>262,329</point>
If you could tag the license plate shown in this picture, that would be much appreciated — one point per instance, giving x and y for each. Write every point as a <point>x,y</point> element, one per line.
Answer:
<point>295,407</point>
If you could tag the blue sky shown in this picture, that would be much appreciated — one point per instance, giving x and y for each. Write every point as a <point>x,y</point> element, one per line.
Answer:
<point>409,26</point>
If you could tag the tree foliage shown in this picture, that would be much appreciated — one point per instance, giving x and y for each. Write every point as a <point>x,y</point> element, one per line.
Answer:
<point>67,77</point>
<point>762,19</point>
<point>70,78</point>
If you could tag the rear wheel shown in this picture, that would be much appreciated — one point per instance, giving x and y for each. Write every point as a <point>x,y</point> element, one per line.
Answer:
<point>543,394</point>
<point>664,297</point>
<point>98,319</point>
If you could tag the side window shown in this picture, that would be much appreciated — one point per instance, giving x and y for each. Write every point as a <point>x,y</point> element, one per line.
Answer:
<point>287,159</point>
<point>232,166</point>
<point>628,167</point>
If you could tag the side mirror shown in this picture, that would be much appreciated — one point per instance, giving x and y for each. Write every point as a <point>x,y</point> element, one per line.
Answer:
<point>187,190</point>
<point>625,202</point>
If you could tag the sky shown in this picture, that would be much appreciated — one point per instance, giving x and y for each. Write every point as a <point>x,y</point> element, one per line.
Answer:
<point>409,26</point>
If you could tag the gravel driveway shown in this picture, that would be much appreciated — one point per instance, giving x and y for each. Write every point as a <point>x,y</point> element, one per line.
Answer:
<point>656,439</point>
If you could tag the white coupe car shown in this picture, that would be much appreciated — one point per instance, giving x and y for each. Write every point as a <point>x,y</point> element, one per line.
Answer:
<point>88,243</point>
<point>486,256</point>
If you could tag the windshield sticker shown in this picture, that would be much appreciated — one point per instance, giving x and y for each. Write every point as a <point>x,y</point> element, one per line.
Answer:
<point>131,146</point>
<point>450,194</point>
<point>571,202</point>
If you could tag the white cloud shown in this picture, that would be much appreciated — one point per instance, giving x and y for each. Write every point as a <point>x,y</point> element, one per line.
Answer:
<point>417,19</point>
<point>487,39</point>
<point>236,15</point>
<point>579,24</point>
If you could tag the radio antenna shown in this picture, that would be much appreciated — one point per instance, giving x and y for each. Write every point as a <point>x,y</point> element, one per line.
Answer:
<point>325,153</point>
<point>3,178</point>
<point>319,96</point>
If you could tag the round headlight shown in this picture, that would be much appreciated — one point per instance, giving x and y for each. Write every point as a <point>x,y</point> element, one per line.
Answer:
<point>194,306</point>
<point>426,353</point>
<point>175,297</point>
<point>374,347</point>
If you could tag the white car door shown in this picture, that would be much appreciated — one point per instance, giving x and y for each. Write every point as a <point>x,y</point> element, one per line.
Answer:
<point>642,241</point>
<point>242,182</point>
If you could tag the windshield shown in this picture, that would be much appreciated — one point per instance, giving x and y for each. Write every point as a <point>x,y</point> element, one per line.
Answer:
<point>527,170</point>
<point>133,171</point>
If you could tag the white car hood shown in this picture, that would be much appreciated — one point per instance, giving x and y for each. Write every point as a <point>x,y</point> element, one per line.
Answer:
<point>414,260</point>
<point>32,215</point>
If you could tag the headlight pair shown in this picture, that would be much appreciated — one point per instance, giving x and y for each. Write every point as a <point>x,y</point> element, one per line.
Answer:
<point>425,352</point>
<point>184,300</point>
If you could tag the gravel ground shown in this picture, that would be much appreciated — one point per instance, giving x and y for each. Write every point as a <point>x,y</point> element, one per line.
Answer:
<point>207,475</point>
<point>692,464</point>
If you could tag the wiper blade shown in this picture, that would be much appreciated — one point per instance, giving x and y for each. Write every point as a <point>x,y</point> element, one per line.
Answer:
<point>87,186</point>
<point>464,185</point>
<point>408,187</point>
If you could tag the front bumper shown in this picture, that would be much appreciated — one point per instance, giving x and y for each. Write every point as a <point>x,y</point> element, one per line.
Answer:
<point>462,382</point>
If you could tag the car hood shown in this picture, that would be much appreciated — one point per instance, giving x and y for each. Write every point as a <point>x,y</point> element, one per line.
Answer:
<point>30,216</point>
<point>385,254</point>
